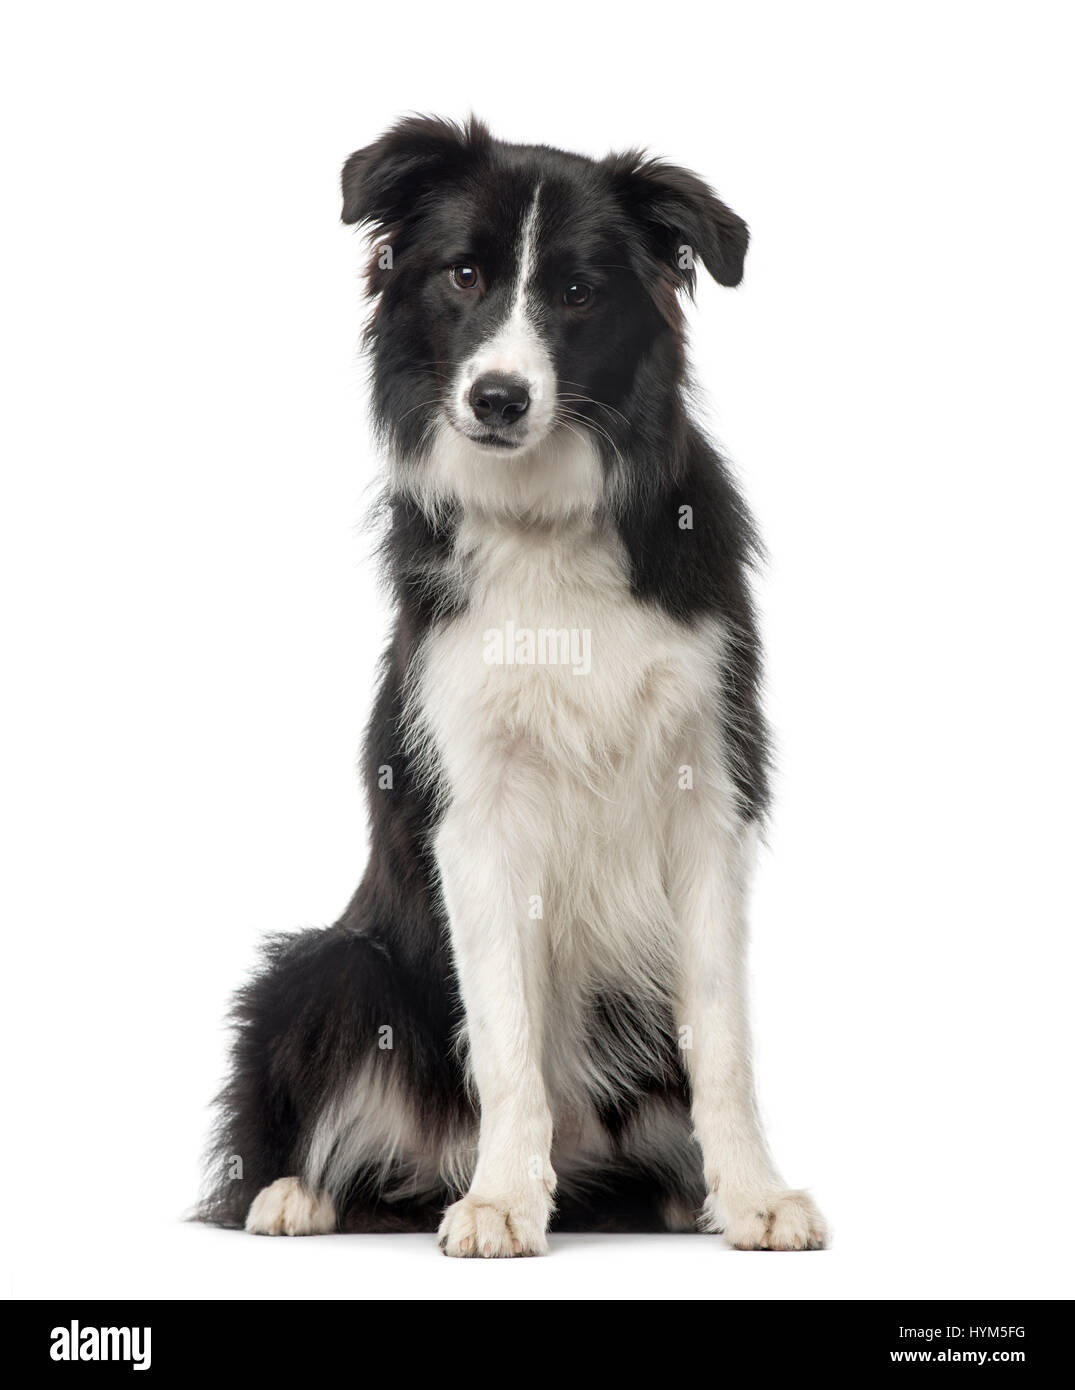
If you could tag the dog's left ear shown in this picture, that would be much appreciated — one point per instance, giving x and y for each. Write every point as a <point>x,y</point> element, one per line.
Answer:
<point>384,182</point>
<point>683,218</point>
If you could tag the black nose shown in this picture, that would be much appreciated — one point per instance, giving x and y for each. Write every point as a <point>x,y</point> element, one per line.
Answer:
<point>499,399</point>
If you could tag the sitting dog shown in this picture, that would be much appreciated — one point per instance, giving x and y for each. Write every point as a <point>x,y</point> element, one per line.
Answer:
<point>533,1010</point>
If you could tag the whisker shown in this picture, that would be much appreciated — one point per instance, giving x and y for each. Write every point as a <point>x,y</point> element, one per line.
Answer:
<point>593,401</point>
<point>422,405</point>
<point>563,416</point>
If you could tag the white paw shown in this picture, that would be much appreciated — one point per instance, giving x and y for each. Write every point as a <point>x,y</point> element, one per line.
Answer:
<point>772,1221</point>
<point>286,1208</point>
<point>489,1229</point>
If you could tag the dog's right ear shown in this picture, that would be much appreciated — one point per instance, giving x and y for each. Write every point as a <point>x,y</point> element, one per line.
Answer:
<point>382,183</point>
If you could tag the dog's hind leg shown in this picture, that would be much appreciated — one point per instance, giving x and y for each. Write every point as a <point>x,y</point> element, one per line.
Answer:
<point>340,1063</point>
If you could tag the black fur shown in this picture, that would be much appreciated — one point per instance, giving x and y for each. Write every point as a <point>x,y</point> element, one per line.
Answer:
<point>434,192</point>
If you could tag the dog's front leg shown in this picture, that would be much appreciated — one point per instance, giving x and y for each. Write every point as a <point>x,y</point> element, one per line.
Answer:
<point>490,866</point>
<point>747,1198</point>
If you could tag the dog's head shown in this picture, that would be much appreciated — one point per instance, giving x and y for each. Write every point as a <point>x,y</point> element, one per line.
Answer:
<point>524,294</point>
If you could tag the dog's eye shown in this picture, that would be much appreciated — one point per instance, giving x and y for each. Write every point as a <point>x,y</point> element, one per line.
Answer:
<point>463,277</point>
<point>577,295</point>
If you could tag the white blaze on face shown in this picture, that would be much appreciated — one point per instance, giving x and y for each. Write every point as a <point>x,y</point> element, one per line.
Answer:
<point>516,348</point>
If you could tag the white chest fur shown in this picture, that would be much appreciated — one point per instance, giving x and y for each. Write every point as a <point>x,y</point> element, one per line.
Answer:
<point>555,668</point>
<point>553,653</point>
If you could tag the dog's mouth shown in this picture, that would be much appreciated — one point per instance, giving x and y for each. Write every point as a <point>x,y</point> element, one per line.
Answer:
<point>496,441</point>
<point>491,440</point>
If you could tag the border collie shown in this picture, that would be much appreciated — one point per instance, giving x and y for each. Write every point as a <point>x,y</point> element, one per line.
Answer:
<point>533,1010</point>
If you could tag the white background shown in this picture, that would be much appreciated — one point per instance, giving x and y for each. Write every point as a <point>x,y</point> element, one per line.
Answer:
<point>191,617</point>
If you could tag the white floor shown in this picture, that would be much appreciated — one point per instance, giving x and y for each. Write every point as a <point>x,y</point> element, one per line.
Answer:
<point>886,1258</point>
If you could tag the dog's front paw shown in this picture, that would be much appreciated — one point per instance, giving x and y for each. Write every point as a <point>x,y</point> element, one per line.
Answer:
<point>769,1221</point>
<point>490,1229</point>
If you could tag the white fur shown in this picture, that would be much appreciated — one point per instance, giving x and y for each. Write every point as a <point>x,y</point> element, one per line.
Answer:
<point>565,793</point>
<point>372,1126</point>
<point>709,866</point>
<point>558,478</point>
<point>288,1208</point>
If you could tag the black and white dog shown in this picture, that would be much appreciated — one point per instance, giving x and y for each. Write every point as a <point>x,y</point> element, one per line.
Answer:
<point>533,1008</point>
